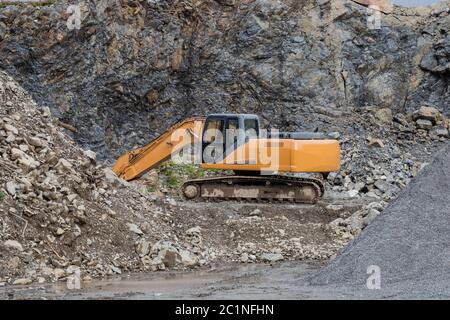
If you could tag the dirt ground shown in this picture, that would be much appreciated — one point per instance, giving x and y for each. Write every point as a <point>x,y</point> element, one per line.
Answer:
<point>251,225</point>
<point>235,231</point>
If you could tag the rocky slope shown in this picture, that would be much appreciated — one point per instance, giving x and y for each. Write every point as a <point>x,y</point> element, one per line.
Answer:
<point>60,211</point>
<point>135,67</point>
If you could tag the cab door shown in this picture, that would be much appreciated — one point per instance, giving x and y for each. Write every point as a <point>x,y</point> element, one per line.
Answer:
<point>233,135</point>
<point>213,142</point>
<point>222,135</point>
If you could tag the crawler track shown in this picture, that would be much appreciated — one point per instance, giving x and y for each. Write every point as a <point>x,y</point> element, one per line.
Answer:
<point>254,189</point>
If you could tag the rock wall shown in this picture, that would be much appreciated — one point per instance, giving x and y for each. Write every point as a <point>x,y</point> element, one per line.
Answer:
<point>136,67</point>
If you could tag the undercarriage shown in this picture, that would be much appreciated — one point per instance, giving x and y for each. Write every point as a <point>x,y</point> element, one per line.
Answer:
<point>255,188</point>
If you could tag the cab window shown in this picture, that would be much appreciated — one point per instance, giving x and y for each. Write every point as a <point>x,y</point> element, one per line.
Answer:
<point>214,131</point>
<point>251,128</point>
<point>232,131</point>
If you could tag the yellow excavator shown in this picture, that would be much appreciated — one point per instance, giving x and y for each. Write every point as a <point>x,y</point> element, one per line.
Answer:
<point>267,165</point>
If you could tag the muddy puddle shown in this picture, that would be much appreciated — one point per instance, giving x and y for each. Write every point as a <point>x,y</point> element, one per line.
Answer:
<point>279,281</point>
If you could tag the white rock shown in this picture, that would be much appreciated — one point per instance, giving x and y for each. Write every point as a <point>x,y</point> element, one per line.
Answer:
<point>335,207</point>
<point>113,179</point>
<point>72,269</point>
<point>194,230</point>
<point>143,248</point>
<point>353,193</point>
<point>188,259</point>
<point>272,257</point>
<point>46,112</point>
<point>26,182</point>
<point>17,154</point>
<point>91,155</point>
<point>22,281</point>
<point>63,166</point>
<point>71,197</point>
<point>359,186</point>
<point>59,273</point>
<point>12,187</point>
<point>134,228</point>
<point>355,222</point>
<point>11,138</point>
<point>35,141</point>
<point>370,217</point>
<point>24,159</point>
<point>255,212</point>
<point>24,147</point>
<point>13,244</point>
<point>172,201</point>
<point>11,128</point>
<point>338,222</point>
<point>244,257</point>
<point>29,163</point>
<point>116,270</point>
<point>334,135</point>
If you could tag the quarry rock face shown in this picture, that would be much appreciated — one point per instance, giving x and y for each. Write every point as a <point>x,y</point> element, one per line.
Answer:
<point>133,68</point>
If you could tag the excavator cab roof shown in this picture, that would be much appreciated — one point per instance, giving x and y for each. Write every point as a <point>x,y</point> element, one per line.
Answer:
<point>234,115</point>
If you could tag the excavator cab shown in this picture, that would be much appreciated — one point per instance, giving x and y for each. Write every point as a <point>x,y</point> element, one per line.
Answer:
<point>224,133</point>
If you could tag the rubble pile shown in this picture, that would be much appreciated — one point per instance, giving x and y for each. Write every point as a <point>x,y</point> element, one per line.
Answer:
<point>353,225</point>
<point>382,152</point>
<point>60,210</point>
<point>263,233</point>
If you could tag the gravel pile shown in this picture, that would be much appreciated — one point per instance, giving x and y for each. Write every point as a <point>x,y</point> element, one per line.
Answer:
<point>409,241</point>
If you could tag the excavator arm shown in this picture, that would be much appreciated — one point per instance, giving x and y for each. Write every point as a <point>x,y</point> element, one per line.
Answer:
<point>135,163</point>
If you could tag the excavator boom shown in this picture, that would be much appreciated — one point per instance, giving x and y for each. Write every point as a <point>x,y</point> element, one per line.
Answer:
<point>135,163</point>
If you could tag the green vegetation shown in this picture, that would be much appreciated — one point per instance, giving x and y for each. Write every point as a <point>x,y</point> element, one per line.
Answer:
<point>2,196</point>
<point>172,175</point>
<point>152,187</point>
<point>175,174</point>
